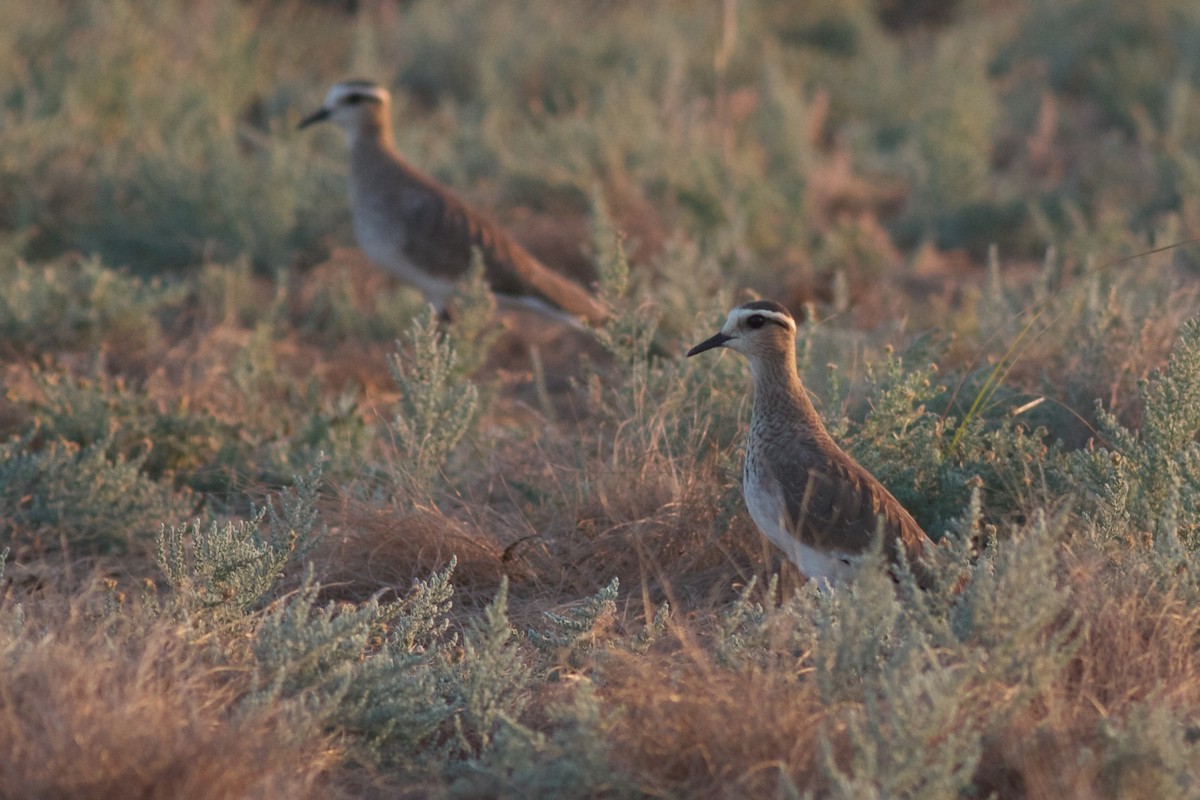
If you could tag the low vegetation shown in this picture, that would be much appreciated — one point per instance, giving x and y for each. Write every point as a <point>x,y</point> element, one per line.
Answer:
<point>272,530</point>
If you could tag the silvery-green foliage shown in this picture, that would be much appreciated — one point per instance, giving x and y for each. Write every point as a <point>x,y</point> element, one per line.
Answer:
<point>897,411</point>
<point>895,667</point>
<point>490,684</point>
<point>1102,488</point>
<point>76,300</point>
<point>856,631</point>
<point>929,460</point>
<point>1172,561</point>
<point>303,650</point>
<point>653,630</point>
<point>629,333</point>
<point>570,759</point>
<point>948,567</point>
<point>232,568</point>
<point>1142,472</point>
<point>12,616</point>
<point>898,742</point>
<point>354,668</point>
<point>12,623</point>
<point>1014,609</point>
<point>256,199</point>
<point>741,624</point>
<point>436,407</point>
<point>422,624</point>
<point>1149,752</point>
<point>336,431</point>
<point>570,630</point>
<point>293,527</point>
<point>92,502</point>
<point>397,698</point>
<point>95,408</point>
<point>677,411</point>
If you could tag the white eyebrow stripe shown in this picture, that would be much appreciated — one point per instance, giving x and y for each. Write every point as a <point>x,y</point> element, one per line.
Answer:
<point>341,91</point>
<point>739,315</point>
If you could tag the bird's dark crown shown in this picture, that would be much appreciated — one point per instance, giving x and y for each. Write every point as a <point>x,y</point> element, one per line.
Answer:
<point>353,92</point>
<point>760,312</point>
<point>766,305</point>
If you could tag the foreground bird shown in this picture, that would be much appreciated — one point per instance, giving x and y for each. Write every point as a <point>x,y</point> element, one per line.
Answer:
<point>419,230</point>
<point>806,494</point>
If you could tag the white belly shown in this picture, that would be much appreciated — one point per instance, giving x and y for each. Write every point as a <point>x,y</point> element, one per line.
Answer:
<point>383,242</point>
<point>767,510</point>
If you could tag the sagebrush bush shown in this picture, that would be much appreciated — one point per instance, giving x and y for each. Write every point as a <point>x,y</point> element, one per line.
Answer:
<point>170,441</point>
<point>373,673</point>
<point>437,405</point>
<point>227,570</point>
<point>78,500</point>
<point>570,630</point>
<point>73,302</point>
<point>1153,476</point>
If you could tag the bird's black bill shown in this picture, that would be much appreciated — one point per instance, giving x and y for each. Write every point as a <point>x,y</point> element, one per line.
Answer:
<point>709,344</point>
<point>316,116</point>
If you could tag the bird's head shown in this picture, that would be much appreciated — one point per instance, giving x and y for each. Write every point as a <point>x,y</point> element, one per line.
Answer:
<point>761,330</point>
<point>353,106</point>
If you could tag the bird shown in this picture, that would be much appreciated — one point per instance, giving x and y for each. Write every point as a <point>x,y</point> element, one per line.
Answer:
<point>806,494</point>
<point>419,230</point>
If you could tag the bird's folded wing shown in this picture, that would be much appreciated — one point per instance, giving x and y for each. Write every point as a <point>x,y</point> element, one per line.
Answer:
<point>837,504</point>
<point>444,230</point>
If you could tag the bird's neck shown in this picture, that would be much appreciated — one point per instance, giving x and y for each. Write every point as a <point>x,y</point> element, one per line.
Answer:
<point>372,136</point>
<point>779,392</point>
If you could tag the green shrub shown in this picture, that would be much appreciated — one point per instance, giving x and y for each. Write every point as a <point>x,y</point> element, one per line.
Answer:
<point>491,685</point>
<point>166,442</point>
<point>803,150</point>
<point>1111,54</point>
<point>370,672</point>
<point>580,622</point>
<point>1150,476</point>
<point>437,407</point>
<point>73,302</point>
<point>227,570</point>
<point>571,760</point>
<point>79,499</point>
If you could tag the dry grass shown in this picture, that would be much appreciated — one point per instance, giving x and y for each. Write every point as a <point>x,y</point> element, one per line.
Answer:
<point>370,549</point>
<point>693,729</point>
<point>1134,651</point>
<point>696,727</point>
<point>88,711</point>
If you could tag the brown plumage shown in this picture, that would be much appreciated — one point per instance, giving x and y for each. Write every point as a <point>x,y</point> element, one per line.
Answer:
<point>807,495</point>
<point>418,229</point>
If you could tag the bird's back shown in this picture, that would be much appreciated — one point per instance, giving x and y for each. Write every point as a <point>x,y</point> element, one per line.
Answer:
<point>438,232</point>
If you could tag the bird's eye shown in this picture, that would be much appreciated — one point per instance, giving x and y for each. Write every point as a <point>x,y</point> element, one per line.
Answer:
<point>757,321</point>
<point>354,99</point>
